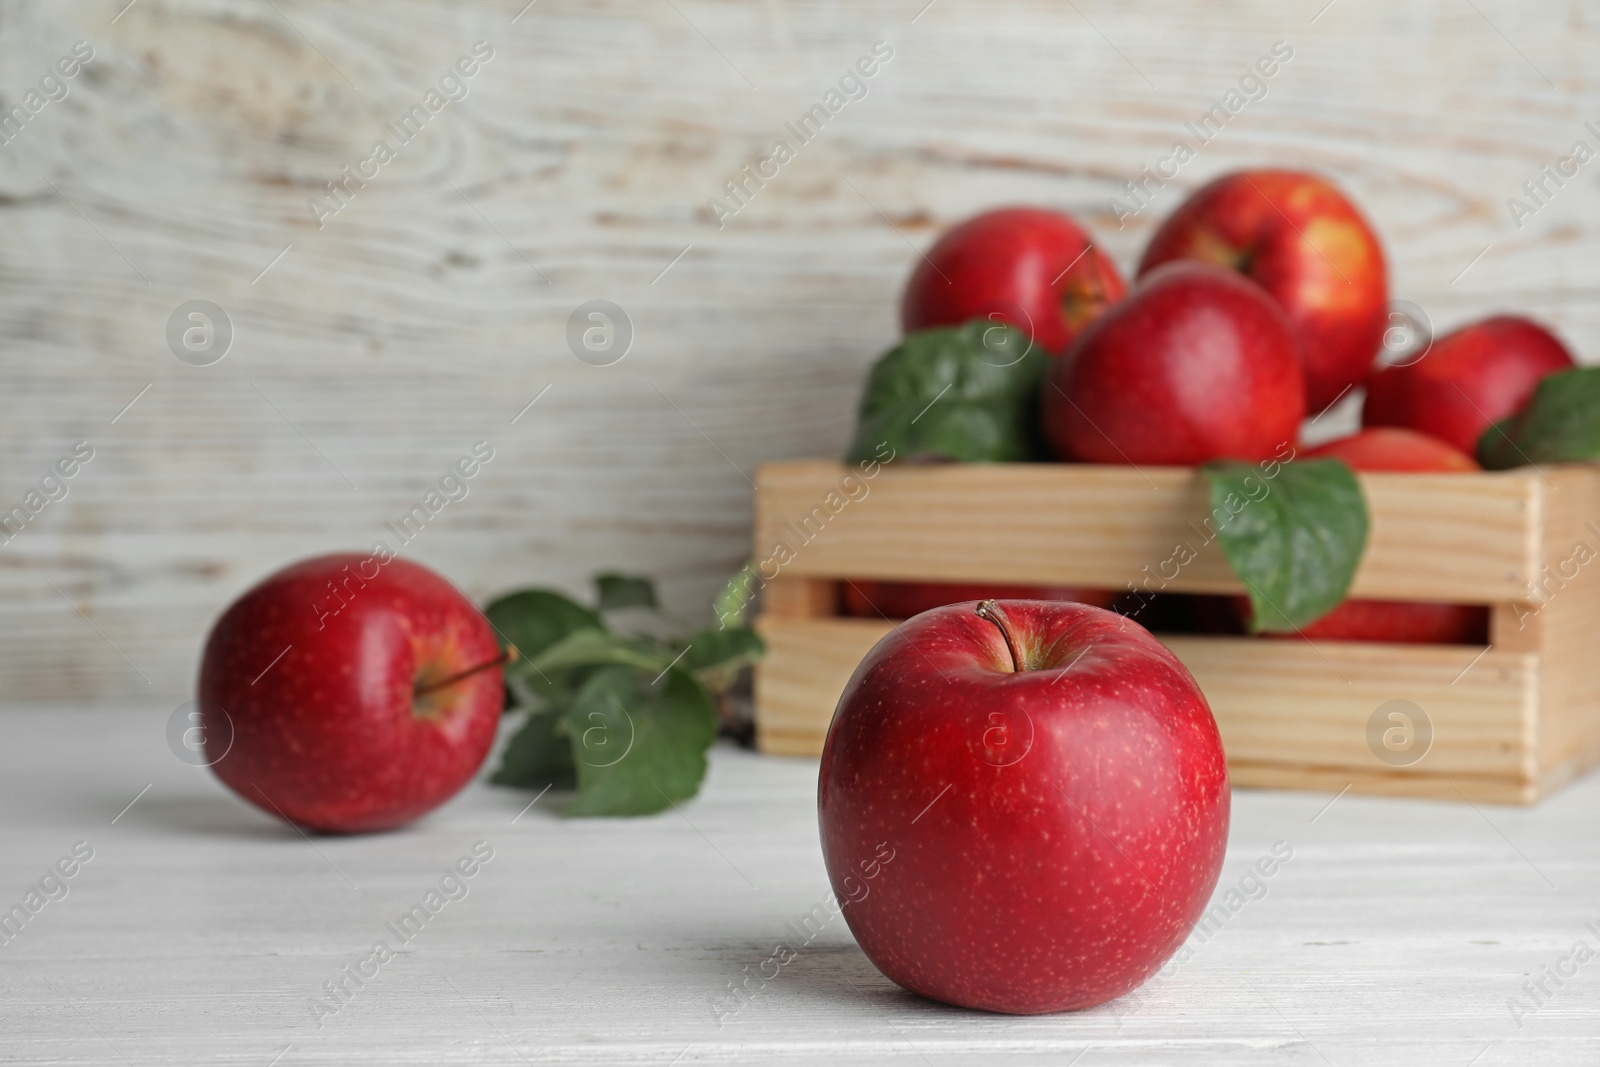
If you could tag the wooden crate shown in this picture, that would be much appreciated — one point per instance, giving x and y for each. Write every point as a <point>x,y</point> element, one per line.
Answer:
<point>1511,722</point>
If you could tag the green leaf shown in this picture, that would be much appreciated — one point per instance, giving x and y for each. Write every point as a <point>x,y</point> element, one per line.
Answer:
<point>529,687</point>
<point>625,591</point>
<point>1559,424</point>
<point>732,603</point>
<point>715,656</point>
<point>598,648</point>
<point>638,746</point>
<point>713,649</point>
<point>966,393</point>
<point>535,619</point>
<point>1295,539</point>
<point>540,753</point>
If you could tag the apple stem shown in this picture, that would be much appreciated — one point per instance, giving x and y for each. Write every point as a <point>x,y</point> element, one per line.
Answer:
<point>503,658</point>
<point>990,610</point>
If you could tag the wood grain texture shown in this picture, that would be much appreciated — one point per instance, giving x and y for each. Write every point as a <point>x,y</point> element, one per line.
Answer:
<point>433,308</point>
<point>807,665</point>
<point>1512,722</point>
<point>1563,612</point>
<point>201,930</point>
<point>1292,715</point>
<point>1469,539</point>
<point>797,597</point>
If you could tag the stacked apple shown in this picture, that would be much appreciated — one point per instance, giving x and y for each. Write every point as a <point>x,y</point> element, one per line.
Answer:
<point>1261,301</point>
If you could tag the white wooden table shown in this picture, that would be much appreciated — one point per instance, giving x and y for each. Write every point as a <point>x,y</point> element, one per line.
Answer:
<point>201,931</point>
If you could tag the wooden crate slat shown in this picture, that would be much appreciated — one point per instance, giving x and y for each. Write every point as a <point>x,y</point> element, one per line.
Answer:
<point>1460,538</point>
<point>1244,774</point>
<point>806,666</point>
<point>1291,715</point>
<point>1297,703</point>
<point>1564,619</point>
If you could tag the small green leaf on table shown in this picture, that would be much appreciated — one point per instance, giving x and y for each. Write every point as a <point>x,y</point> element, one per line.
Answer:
<point>1295,539</point>
<point>535,619</point>
<point>966,393</point>
<point>626,718</point>
<point>637,745</point>
<point>1559,424</point>
<point>599,648</point>
<point>532,620</point>
<point>539,754</point>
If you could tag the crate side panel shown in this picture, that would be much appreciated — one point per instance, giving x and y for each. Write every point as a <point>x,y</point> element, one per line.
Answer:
<point>1279,704</point>
<point>798,682</point>
<point>1085,525</point>
<point>1334,781</point>
<point>1292,703</point>
<point>1464,538</point>
<point>1564,611</point>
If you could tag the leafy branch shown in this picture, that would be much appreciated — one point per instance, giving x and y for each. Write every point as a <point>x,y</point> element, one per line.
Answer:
<point>623,718</point>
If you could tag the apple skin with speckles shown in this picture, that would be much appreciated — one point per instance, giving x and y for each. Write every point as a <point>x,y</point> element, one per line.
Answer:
<point>1053,833</point>
<point>333,736</point>
<point>1196,364</point>
<point>1030,267</point>
<point>1303,241</point>
<point>1467,380</point>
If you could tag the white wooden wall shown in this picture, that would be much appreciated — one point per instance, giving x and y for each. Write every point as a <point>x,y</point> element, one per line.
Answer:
<point>433,308</point>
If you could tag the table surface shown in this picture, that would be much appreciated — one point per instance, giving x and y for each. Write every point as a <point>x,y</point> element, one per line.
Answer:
<point>204,932</point>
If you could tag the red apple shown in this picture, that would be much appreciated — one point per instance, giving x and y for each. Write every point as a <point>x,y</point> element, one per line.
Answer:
<point>1412,622</point>
<point>900,600</point>
<point>1406,621</point>
<point>1026,809</point>
<point>1196,364</point>
<point>1305,244</point>
<point>1467,380</point>
<point>1032,268</point>
<point>349,693</point>
<point>1395,450</point>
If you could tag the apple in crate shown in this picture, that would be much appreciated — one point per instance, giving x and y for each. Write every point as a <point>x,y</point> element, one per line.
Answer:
<point>1032,268</point>
<point>1409,621</point>
<point>349,693</point>
<point>1304,242</point>
<point>1025,804</point>
<point>1195,364</point>
<point>1467,380</point>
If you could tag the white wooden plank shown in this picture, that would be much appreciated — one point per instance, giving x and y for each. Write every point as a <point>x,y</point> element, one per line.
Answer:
<point>200,929</point>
